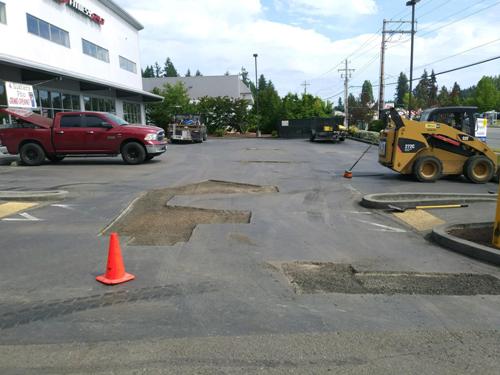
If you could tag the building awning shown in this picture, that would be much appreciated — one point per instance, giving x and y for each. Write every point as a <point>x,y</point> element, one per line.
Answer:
<point>39,72</point>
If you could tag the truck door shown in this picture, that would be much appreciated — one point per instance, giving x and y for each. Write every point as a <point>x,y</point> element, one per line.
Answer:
<point>69,137</point>
<point>101,135</point>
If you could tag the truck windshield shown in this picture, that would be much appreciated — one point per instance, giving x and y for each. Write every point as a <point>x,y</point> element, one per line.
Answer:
<point>116,119</point>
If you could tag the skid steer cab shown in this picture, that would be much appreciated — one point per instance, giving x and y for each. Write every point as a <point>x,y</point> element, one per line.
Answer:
<point>441,143</point>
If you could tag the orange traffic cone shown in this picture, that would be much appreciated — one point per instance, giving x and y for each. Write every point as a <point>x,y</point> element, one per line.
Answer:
<point>115,269</point>
<point>348,174</point>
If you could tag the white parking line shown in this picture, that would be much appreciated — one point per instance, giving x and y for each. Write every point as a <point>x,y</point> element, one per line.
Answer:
<point>384,228</point>
<point>25,215</point>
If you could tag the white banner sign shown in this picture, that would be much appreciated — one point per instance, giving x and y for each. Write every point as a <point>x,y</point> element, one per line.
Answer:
<point>20,95</point>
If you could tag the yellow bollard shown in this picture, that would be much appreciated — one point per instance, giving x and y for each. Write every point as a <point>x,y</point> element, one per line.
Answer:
<point>496,228</point>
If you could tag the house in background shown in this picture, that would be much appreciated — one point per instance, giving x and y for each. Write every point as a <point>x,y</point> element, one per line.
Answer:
<point>200,86</point>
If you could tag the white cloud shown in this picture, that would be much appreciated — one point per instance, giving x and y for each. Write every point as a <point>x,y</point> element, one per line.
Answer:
<point>333,7</point>
<point>221,35</point>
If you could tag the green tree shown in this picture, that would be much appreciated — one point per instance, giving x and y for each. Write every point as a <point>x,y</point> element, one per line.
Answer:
<point>198,73</point>
<point>401,90</point>
<point>157,70</point>
<point>340,106</point>
<point>433,91</point>
<point>291,107</point>
<point>175,101</point>
<point>169,69</point>
<point>223,112</point>
<point>269,106</point>
<point>486,95</point>
<point>188,73</point>
<point>148,72</point>
<point>455,96</point>
<point>421,92</point>
<point>366,93</point>
<point>443,97</point>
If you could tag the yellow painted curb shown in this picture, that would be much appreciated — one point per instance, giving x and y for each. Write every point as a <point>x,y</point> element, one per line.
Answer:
<point>419,219</point>
<point>11,208</point>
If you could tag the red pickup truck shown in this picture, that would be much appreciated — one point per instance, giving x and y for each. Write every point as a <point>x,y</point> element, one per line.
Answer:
<point>35,137</point>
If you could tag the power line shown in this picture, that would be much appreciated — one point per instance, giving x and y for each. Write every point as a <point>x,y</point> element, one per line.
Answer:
<point>446,2</point>
<point>367,42</point>
<point>460,19</point>
<point>448,24</point>
<point>459,53</point>
<point>446,71</point>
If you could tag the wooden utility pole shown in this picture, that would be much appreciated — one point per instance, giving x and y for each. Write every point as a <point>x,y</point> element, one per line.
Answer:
<point>381,98</point>
<point>346,74</point>
<point>305,84</point>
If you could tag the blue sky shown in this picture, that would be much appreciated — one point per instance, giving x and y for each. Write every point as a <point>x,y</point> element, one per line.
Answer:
<point>305,40</point>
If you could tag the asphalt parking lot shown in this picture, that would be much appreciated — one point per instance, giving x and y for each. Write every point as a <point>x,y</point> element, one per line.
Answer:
<point>223,301</point>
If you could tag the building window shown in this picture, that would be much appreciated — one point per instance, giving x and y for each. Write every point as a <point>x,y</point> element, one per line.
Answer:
<point>132,112</point>
<point>47,31</point>
<point>126,64</point>
<point>52,102</point>
<point>95,104</point>
<point>94,50</point>
<point>3,14</point>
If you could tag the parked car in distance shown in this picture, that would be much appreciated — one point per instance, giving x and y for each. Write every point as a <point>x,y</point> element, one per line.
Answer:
<point>35,137</point>
<point>187,128</point>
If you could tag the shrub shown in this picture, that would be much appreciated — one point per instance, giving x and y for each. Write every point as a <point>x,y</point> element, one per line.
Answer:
<point>274,134</point>
<point>366,135</point>
<point>376,126</point>
<point>353,130</point>
<point>219,132</point>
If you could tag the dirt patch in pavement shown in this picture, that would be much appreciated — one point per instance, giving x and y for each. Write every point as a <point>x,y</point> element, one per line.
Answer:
<point>319,277</point>
<point>480,235</point>
<point>151,222</point>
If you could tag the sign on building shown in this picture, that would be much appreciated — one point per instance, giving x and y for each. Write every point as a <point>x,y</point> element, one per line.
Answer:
<point>20,95</point>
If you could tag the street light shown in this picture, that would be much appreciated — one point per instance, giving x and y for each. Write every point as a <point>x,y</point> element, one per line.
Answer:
<point>411,3</point>
<point>256,95</point>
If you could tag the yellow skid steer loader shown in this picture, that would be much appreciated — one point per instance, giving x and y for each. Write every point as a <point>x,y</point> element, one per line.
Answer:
<point>441,143</point>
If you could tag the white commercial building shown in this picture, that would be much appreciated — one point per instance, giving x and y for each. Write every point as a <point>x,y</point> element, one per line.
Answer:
<point>78,55</point>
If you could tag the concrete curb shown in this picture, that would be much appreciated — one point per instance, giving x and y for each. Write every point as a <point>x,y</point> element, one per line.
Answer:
<point>441,236</point>
<point>404,200</point>
<point>42,195</point>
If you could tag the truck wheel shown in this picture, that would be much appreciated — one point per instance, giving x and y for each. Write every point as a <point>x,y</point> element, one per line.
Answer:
<point>133,153</point>
<point>479,169</point>
<point>205,136</point>
<point>312,138</point>
<point>428,169</point>
<point>32,154</point>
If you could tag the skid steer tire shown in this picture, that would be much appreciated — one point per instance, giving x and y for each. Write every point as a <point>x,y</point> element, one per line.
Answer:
<point>479,169</point>
<point>427,169</point>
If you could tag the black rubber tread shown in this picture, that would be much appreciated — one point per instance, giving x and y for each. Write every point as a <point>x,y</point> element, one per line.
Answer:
<point>32,154</point>
<point>472,162</point>
<point>133,153</point>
